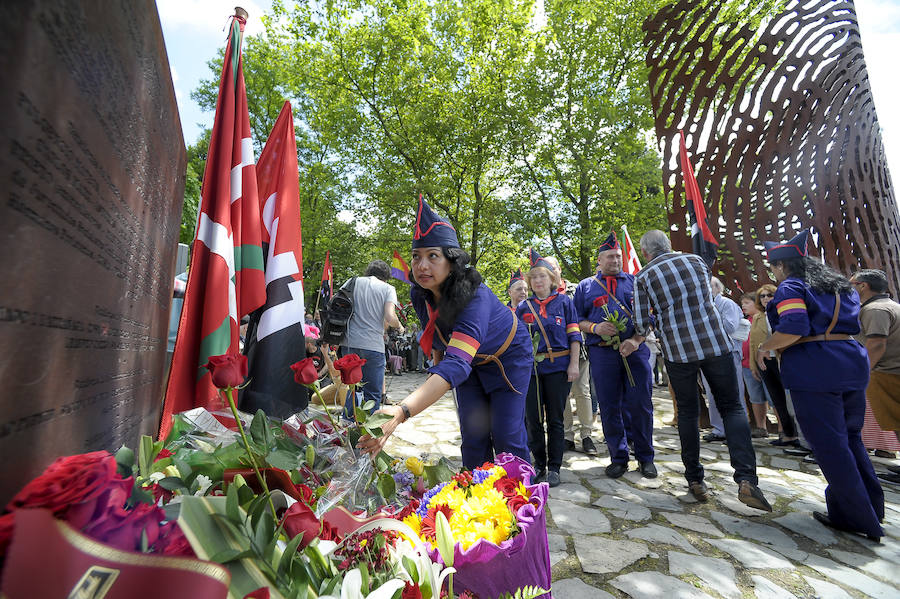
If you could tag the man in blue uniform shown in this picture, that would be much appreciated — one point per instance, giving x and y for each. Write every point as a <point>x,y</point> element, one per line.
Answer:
<point>813,315</point>
<point>621,397</point>
<point>476,343</point>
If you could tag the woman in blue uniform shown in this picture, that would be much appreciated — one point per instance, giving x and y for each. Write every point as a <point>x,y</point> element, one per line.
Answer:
<point>477,344</point>
<point>813,315</point>
<point>551,315</point>
<point>517,289</point>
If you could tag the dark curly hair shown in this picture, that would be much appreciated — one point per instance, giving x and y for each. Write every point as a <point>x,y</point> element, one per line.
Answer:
<point>458,288</point>
<point>820,277</point>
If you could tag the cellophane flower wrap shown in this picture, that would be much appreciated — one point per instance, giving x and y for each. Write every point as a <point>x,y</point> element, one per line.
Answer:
<point>499,523</point>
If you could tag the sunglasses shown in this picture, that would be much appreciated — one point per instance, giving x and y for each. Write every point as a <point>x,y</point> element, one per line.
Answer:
<point>766,295</point>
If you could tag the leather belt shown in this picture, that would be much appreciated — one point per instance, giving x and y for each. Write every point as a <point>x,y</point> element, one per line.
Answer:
<point>495,357</point>
<point>553,354</point>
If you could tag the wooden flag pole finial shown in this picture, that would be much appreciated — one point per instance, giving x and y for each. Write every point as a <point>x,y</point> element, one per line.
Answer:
<point>240,12</point>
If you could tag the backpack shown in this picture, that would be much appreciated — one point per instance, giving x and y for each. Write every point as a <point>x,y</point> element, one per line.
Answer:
<point>336,315</point>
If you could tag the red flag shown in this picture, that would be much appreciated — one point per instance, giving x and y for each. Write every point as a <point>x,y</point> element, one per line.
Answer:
<point>704,244</point>
<point>275,335</point>
<point>226,279</point>
<point>399,268</point>
<point>630,261</point>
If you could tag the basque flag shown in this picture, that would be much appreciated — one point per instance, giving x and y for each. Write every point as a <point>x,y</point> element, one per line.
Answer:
<point>327,288</point>
<point>275,334</point>
<point>630,261</point>
<point>399,268</point>
<point>226,279</point>
<point>704,244</point>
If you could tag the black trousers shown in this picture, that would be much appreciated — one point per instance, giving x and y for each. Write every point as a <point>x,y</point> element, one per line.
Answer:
<point>547,395</point>
<point>771,378</point>
<point>722,378</point>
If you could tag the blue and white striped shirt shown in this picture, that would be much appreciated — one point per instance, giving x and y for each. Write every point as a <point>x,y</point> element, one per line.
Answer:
<point>676,287</point>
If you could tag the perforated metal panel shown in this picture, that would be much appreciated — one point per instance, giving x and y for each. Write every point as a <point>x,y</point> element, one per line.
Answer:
<point>782,132</point>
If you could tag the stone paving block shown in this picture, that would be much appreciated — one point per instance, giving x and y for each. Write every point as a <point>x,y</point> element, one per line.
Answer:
<point>776,488</point>
<point>729,500</point>
<point>600,555</point>
<point>693,522</point>
<point>762,533</point>
<point>654,533</point>
<point>723,467</point>
<point>622,508</point>
<point>803,523</point>
<point>655,584</point>
<point>567,476</point>
<point>826,589</point>
<point>802,476</point>
<point>636,478</point>
<point>876,566</point>
<point>766,589</point>
<point>851,578</point>
<point>808,504</point>
<point>886,550</point>
<point>762,472</point>
<point>751,555</point>
<point>657,501</point>
<point>784,463</point>
<point>717,574</point>
<point>571,492</point>
<point>575,588</point>
<point>575,519</point>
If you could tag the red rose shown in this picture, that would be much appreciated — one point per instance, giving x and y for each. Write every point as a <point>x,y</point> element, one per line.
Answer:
<point>163,454</point>
<point>305,372</point>
<point>407,510</point>
<point>601,301</point>
<point>330,533</point>
<point>299,519</point>
<point>260,593</point>
<point>227,370</point>
<point>411,591</point>
<point>306,494</point>
<point>515,502</point>
<point>351,368</point>
<point>123,528</point>
<point>528,318</point>
<point>73,487</point>
<point>172,542</point>
<point>507,486</point>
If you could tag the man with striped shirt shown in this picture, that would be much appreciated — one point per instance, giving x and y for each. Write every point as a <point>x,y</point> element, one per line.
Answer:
<point>675,287</point>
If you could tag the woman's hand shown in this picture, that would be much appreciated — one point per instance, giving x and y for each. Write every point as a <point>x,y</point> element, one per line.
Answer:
<point>572,371</point>
<point>371,445</point>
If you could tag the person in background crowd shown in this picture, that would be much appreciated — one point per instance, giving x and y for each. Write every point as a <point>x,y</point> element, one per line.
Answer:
<point>738,330</point>
<point>517,289</point>
<point>768,371</point>
<point>551,315</point>
<point>813,315</point>
<point>879,318</point>
<point>757,392</point>
<point>477,344</point>
<point>676,287</point>
<point>374,311</point>
<point>623,400</point>
<point>581,387</point>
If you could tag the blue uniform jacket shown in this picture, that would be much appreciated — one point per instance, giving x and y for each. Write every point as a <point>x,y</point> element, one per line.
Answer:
<point>586,304</point>
<point>797,309</point>
<point>482,327</point>
<point>561,326</point>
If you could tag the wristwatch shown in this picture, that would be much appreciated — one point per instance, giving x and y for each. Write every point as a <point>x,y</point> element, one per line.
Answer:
<point>406,414</point>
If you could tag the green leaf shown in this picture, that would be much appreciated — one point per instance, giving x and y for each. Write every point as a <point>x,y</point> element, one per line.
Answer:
<point>438,473</point>
<point>229,555</point>
<point>147,451</point>
<point>172,483</point>
<point>286,460</point>
<point>377,420</point>
<point>369,404</point>
<point>289,554</point>
<point>260,432</point>
<point>264,531</point>
<point>364,571</point>
<point>245,495</point>
<point>410,566</point>
<point>361,415</point>
<point>125,461</point>
<point>232,505</point>
<point>386,486</point>
<point>310,455</point>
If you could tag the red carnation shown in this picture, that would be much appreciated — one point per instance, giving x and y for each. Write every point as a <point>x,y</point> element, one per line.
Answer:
<point>227,370</point>
<point>528,318</point>
<point>601,301</point>
<point>305,372</point>
<point>350,367</point>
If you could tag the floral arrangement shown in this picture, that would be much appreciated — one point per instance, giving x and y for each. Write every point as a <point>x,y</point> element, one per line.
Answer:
<point>480,504</point>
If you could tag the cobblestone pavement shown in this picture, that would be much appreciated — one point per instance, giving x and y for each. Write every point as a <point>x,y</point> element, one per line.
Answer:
<point>638,537</point>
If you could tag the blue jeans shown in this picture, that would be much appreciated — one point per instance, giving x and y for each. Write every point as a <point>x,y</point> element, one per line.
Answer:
<point>755,388</point>
<point>722,377</point>
<point>372,379</point>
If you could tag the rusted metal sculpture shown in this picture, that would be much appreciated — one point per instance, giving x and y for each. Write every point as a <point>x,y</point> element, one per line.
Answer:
<point>781,129</point>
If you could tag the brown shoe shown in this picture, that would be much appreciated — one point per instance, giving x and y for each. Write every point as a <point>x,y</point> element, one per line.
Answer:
<point>750,495</point>
<point>699,491</point>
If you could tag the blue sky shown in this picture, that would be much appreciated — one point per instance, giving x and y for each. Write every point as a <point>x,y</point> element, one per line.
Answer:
<point>194,30</point>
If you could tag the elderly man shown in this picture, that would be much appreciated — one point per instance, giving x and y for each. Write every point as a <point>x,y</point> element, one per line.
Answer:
<point>622,395</point>
<point>676,287</point>
<point>879,318</point>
